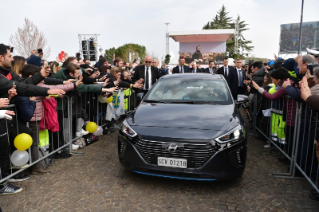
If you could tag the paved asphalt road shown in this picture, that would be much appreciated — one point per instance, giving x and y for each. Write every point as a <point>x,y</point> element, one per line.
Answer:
<point>97,182</point>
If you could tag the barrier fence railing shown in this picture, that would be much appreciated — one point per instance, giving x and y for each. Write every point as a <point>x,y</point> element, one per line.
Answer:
<point>292,128</point>
<point>45,142</point>
<point>72,112</point>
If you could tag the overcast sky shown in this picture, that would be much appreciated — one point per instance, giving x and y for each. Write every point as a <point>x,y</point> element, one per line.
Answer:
<point>143,21</point>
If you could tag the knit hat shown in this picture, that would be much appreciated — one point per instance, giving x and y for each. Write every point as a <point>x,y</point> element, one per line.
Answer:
<point>289,64</point>
<point>280,73</point>
<point>35,60</point>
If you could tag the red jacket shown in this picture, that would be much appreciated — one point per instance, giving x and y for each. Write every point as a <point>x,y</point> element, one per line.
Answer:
<point>50,120</point>
<point>38,113</point>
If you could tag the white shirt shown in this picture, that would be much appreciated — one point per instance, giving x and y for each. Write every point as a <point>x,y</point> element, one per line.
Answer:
<point>181,70</point>
<point>149,78</point>
<point>239,73</point>
<point>210,70</point>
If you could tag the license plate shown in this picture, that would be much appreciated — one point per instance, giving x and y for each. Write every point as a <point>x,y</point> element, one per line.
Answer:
<point>172,162</point>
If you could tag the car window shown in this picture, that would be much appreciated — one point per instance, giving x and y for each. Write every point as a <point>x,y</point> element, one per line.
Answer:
<point>193,90</point>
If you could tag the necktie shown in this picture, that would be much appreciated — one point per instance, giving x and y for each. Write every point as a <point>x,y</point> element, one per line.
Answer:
<point>240,78</point>
<point>182,69</point>
<point>146,79</point>
<point>226,72</point>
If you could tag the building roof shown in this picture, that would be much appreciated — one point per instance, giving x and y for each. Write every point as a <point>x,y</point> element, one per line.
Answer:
<point>211,35</point>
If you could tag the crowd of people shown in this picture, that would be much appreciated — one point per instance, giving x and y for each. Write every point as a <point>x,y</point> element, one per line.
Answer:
<point>26,80</point>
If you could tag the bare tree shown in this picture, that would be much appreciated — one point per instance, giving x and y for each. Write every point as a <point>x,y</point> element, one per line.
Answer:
<point>29,38</point>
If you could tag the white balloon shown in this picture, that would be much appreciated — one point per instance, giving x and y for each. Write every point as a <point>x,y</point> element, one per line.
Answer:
<point>99,131</point>
<point>102,99</point>
<point>19,158</point>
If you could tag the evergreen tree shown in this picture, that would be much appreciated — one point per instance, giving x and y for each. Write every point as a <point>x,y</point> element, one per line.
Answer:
<point>223,21</point>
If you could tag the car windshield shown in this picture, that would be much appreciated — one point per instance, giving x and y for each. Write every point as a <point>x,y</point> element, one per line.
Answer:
<point>189,90</point>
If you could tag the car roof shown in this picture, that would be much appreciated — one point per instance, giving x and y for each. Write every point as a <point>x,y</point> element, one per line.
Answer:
<point>193,75</point>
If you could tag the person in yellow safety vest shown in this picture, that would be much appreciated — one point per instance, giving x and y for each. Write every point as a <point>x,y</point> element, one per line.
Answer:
<point>127,96</point>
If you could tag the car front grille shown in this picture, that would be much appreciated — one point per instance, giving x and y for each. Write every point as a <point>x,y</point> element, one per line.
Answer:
<point>195,153</point>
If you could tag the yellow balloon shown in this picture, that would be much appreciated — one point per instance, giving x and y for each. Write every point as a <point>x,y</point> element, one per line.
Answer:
<point>110,99</point>
<point>23,141</point>
<point>91,127</point>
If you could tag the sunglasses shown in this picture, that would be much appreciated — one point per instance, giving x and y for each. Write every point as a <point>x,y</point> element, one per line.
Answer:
<point>148,61</point>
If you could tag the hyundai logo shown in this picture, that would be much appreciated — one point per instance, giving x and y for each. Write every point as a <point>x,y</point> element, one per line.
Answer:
<point>172,148</point>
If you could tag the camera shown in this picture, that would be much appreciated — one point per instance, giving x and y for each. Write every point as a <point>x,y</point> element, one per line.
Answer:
<point>310,67</point>
<point>78,56</point>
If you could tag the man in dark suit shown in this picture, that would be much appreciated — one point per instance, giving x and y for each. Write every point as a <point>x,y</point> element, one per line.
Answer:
<point>210,68</point>
<point>181,68</point>
<point>235,80</point>
<point>148,73</point>
<point>225,69</point>
<point>198,69</point>
<point>160,71</point>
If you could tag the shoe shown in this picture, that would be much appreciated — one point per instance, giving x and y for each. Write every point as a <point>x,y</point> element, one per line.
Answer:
<point>40,171</point>
<point>106,131</point>
<point>84,132</point>
<point>19,178</point>
<point>282,142</point>
<point>62,155</point>
<point>7,188</point>
<point>75,147</point>
<point>51,160</point>
<point>267,146</point>
<point>81,133</point>
<point>114,126</point>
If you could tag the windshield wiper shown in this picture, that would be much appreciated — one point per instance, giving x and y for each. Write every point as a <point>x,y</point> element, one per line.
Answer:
<point>154,101</point>
<point>195,102</point>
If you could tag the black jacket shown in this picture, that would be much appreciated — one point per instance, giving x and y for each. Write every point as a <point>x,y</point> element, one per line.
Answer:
<point>122,84</point>
<point>185,68</point>
<point>25,108</point>
<point>23,87</point>
<point>221,71</point>
<point>140,73</point>
<point>199,70</point>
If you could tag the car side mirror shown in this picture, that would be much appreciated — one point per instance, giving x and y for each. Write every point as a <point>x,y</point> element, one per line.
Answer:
<point>242,99</point>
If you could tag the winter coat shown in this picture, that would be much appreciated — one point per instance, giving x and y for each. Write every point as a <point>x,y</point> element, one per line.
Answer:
<point>38,114</point>
<point>61,74</point>
<point>24,87</point>
<point>122,84</point>
<point>286,104</point>
<point>25,108</point>
<point>50,121</point>
<point>313,101</point>
<point>315,89</point>
<point>258,78</point>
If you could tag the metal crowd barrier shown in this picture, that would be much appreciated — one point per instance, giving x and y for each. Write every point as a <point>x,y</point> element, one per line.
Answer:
<point>69,109</point>
<point>54,144</point>
<point>97,109</point>
<point>292,128</point>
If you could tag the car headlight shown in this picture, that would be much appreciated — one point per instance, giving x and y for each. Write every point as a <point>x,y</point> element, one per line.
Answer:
<point>234,135</point>
<point>126,129</point>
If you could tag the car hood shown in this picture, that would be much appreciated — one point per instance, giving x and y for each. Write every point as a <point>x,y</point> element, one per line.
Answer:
<point>185,116</point>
